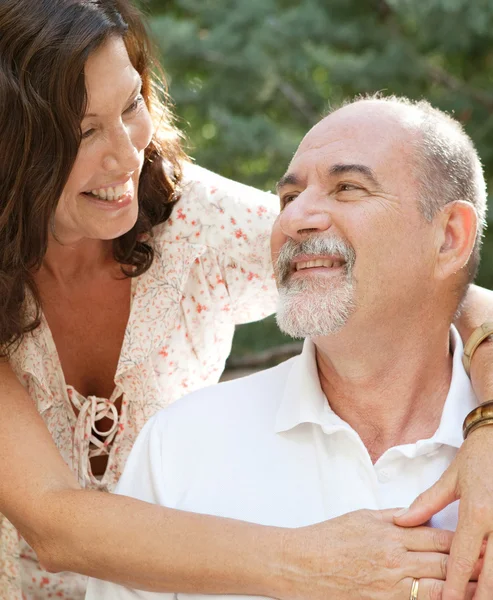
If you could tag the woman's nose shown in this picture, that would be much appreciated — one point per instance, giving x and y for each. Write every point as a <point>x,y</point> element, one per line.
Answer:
<point>123,155</point>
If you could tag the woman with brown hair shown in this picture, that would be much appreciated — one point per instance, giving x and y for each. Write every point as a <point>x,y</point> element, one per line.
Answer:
<point>123,270</point>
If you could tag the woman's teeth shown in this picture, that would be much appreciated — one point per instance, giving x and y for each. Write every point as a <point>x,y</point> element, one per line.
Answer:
<point>112,193</point>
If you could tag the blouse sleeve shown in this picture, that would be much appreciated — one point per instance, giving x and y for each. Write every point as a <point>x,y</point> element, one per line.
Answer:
<point>234,221</point>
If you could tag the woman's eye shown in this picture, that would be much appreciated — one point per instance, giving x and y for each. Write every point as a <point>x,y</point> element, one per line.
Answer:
<point>135,104</point>
<point>87,134</point>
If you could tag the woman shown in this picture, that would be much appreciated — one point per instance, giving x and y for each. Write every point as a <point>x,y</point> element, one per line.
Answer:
<point>91,243</point>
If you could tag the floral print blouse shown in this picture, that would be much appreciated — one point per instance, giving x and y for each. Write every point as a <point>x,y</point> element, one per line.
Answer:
<point>212,270</point>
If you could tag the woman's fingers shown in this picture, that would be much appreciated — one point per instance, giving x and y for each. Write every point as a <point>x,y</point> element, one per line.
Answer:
<point>427,539</point>
<point>431,589</point>
<point>464,554</point>
<point>431,565</point>
<point>485,585</point>
<point>431,501</point>
<point>434,565</point>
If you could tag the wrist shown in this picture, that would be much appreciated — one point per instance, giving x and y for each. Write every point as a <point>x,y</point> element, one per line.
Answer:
<point>477,337</point>
<point>266,556</point>
<point>303,558</point>
<point>289,565</point>
<point>481,416</point>
<point>482,373</point>
<point>279,563</point>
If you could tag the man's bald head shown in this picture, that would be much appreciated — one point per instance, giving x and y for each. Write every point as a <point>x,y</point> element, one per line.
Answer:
<point>443,159</point>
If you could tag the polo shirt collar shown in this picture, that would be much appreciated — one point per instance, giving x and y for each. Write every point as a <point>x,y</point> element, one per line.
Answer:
<point>460,398</point>
<point>304,401</point>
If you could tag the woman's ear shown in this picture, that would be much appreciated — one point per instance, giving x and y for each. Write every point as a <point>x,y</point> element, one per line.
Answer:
<point>456,235</point>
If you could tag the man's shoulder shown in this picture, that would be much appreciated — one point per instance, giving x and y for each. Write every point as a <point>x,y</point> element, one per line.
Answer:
<point>255,396</point>
<point>203,434</point>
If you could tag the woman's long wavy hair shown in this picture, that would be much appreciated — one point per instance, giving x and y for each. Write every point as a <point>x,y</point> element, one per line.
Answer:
<point>44,45</point>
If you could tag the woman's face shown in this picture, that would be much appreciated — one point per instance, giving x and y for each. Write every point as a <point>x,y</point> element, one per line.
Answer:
<point>100,199</point>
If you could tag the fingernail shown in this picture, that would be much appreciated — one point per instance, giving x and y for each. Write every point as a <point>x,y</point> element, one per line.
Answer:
<point>401,513</point>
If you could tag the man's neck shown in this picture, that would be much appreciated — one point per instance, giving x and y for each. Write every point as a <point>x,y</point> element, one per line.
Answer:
<point>389,385</point>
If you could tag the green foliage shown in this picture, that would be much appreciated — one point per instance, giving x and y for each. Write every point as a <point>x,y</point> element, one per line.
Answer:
<point>250,77</point>
<point>258,336</point>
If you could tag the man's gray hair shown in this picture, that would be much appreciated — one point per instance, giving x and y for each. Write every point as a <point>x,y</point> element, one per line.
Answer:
<point>447,166</point>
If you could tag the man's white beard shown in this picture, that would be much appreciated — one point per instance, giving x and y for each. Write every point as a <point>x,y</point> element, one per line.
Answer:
<point>315,306</point>
<point>308,308</point>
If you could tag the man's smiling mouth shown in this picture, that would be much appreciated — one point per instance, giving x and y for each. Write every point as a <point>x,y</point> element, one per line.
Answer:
<point>319,262</point>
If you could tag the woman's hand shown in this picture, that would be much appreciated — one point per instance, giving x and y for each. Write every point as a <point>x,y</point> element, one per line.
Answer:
<point>363,555</point>
<point>470,477</point>
<point>470,480</point>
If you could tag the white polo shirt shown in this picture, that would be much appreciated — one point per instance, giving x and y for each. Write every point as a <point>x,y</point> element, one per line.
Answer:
<point>268,449</point>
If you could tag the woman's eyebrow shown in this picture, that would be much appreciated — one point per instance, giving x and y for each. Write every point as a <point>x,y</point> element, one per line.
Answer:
<point>136,89</point>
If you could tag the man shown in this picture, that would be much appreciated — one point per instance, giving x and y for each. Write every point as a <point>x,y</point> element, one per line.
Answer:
<point>382,209</point>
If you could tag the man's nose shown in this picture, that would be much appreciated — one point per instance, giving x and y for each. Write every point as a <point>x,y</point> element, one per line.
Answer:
<point>122,155</point>
<point>308,213</point>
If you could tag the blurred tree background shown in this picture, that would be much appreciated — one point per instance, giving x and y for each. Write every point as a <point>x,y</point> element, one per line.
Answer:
<point>250,77</point>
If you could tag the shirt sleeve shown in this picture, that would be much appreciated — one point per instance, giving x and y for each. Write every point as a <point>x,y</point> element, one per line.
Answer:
<point>142,479</point>
<point>234,221</point>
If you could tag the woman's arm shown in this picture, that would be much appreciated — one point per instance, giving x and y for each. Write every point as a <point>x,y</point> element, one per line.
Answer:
<point>114,537</point>
<point>234,221</point>
<point>150,547</point>
<point>477,309</point>
<point>470,477</point>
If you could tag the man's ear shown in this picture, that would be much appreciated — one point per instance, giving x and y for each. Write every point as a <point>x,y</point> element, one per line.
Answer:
<point>456,235</point>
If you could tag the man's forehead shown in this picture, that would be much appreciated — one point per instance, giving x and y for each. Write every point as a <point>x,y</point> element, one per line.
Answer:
<point>370,140</point>
<point>363,133</point>
<point>365,121</point>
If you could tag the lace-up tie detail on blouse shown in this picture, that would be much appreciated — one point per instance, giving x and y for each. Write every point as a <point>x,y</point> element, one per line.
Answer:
<point>90,412</point>
<point>92,438</point>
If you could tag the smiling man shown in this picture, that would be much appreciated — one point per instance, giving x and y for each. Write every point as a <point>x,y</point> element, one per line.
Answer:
<point>382,209</point>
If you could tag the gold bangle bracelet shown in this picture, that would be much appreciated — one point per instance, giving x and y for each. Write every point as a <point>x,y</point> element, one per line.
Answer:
<point>478,425</point>
<point>481,415</point>
<point>475,339</point>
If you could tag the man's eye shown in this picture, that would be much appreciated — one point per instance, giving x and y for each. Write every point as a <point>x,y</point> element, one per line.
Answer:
<point>287,199</point>
<point>347,187</point>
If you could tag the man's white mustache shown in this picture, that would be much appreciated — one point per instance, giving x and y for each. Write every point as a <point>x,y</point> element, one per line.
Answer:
<point>315,245</point>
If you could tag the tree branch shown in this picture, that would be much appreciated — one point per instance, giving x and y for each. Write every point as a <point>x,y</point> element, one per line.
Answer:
<point>298,102</point>
<point>453,83</point>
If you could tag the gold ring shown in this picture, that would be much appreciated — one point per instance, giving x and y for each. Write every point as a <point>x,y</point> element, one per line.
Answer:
<point>414,590</point>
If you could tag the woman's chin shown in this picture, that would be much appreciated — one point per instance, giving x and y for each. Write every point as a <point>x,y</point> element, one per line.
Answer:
<point>113,228</point>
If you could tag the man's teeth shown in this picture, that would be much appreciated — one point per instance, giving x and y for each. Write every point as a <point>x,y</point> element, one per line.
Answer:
<point>319,262</point>
<point>112,193</point>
